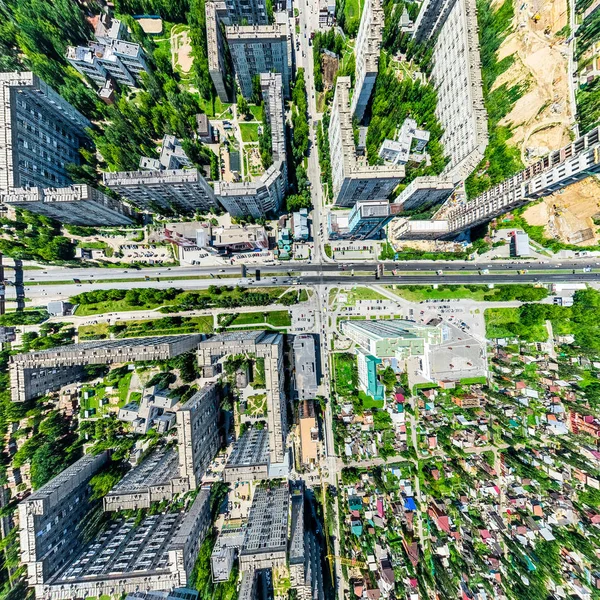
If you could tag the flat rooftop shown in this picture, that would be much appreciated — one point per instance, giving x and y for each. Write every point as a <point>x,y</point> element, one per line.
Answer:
<point>252,448</point>
<point>267,528</point>
<point>159,468</point>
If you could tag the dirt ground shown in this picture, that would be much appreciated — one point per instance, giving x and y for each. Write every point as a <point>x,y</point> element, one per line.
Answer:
<point>181,48</point>
<point>568,215</point>
<point>542,117</point>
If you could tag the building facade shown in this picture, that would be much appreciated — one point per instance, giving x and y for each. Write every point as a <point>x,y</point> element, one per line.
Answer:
<point>432,16</point>
<point>78,204</point>
<point>354,181</point>
<point>263,197</point>
<point>367,50</point>
<point>247,12</point>
<point>34,374</point>
<point>166,192</point>
<point>40,134</point>
<point>198,432</point>
<point>257,49</point>
<point>216,13</point>
<point>456,74</point>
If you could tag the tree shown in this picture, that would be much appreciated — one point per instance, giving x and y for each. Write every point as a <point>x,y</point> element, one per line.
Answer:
<point>243,106</point>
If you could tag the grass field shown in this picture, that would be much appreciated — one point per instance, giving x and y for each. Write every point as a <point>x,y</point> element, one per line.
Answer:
<point>345,369</point>
<point>147,327</point>
<point>276,318</point>
<point>124,388</point>
<point>361,293</point>
<point>504,322</point>
<point>352,9</point>
<point>257,112</point>
<point>249,132</point>
<point>257,405</point>
<point>429,293</point>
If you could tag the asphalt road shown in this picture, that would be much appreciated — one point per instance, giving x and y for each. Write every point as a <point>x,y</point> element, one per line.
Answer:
<point>40,294</point>
<point>61,274</point>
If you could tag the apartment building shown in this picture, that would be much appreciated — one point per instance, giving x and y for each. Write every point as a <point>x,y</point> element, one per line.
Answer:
<point>305,366</point>
<point>353,180</point>
<point>111,55</point>
<point>456,74</point>
<point>40,134</point>
<point>77,204</point>
<point>216,13</point>
<point>267,347</point>
<point>178,191</point>
<point>257,49</point>
<point>198,434</point>
<point>33,374</point>
<point>432,16</point>
<point>367,50</point>
<point>265,196</point>
<point>247,12</point>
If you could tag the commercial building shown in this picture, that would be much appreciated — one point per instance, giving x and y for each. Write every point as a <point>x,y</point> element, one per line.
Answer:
<point>456,74</point>
<point>300,225</point>
<point>240,238</point>
<point>34,374</point>
<point>309,432</point>
<point>247,12</point>
<point>260,198</point>
<point>365,221</point>
<point>77,204</point>
<point>249,459</point>
<point>167,192</point>
<point>520,244</point>
<point>392,337</point>
<point>367,50</point>
<point>354,181</point>
<point>198,434</point>
<point>264,346</point>
<point>432,16</point>
<point>40,134</point>
<point>218,68</point>
<point>305,366</point>
<point>408,145</point>
<point>257,49</point>
<point>110,56</point>
<point>367,375</point>
<point>423,192</point>
<point>266,539</point>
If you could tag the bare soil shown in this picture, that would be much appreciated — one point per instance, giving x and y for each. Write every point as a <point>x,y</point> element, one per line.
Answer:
<point>541,119</point>
<point>568,215</point>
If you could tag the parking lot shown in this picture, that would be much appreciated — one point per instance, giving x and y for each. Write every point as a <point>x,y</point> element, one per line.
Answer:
<point>148,253</point>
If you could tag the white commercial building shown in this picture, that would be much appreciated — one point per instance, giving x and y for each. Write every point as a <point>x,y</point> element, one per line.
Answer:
<point>354,181</point>
<point>409,144</point>
<point>456,74</point>
<point>367,49</point>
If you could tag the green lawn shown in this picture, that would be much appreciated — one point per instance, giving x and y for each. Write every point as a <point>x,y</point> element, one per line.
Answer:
<point>276,318</point>
<point>257,112</point>
<point>124,388</point>
<point>345,369</point>
<point>524,292</point>
<point>368,401</point>
<point>361,293</point>
<point>473,380</point>
<point>257,405</point>
<point>352,9</point>
<point>249,132</point>
<point>505,322</point>
<point>213,109</point>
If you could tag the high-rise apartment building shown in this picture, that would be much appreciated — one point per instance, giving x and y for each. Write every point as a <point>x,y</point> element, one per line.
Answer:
<point>456,74</point>
<point>260,198</point>
<point>198,433</point>
<point>365,221</point>
<point>267,347</point>
<point>247,12</point>
<point>367,49</point>
<point>166,192</point>
<point>216,13</point>
<point>353,180</point>
<point>33,374</point>
<point>257,49</point>
<point>432,16</point>
<point>305,366</point>
<point>40,133</point>
<point>78,204</point>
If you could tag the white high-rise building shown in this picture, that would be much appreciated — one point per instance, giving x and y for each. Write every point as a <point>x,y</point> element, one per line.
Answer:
<point>367,49</point>
<point>354,181</point>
